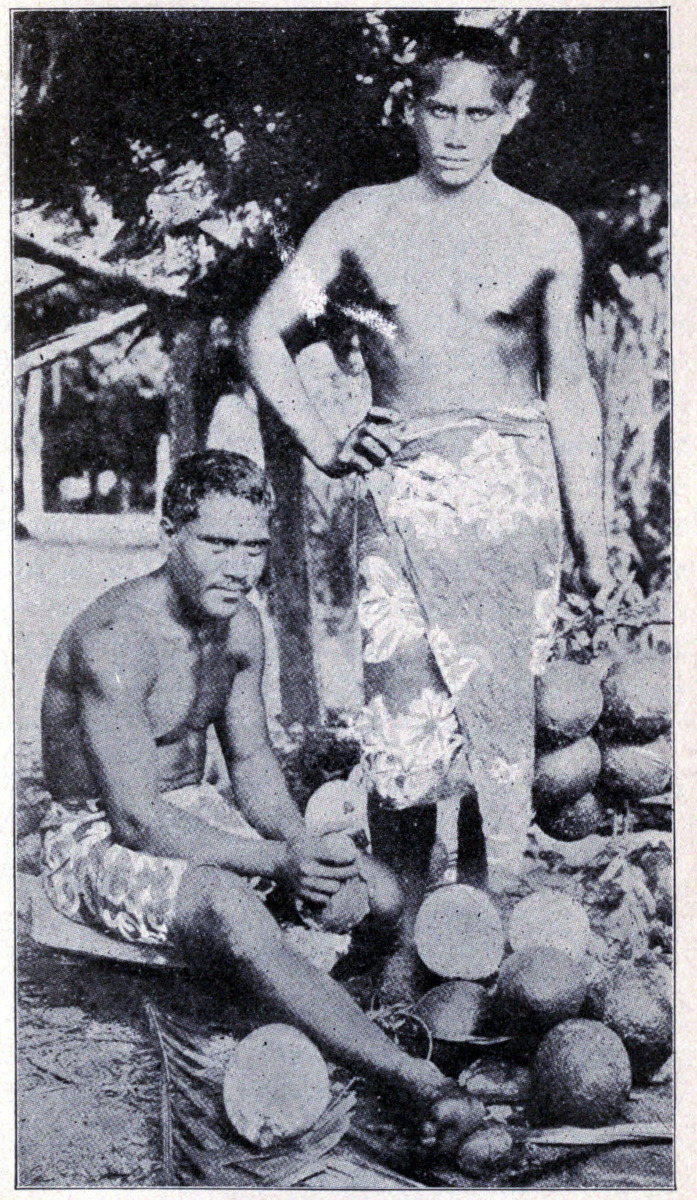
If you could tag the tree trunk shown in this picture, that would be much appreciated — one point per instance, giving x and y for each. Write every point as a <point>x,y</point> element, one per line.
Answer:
<point>289,583</point>
<point>186,341</point>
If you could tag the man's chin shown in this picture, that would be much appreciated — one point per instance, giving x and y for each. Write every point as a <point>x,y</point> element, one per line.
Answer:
<point>222,604</point>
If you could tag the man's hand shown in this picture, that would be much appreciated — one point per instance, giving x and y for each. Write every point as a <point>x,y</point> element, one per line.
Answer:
<point>315,867</point>
<point>369,445</point>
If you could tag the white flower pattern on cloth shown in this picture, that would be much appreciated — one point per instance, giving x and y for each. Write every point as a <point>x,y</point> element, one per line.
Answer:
<point>546,600</point>
<point>409,754</point>
<point>492,487</point>
<point>505,772</point>
<point>387,610</point>
<point>456,663</point>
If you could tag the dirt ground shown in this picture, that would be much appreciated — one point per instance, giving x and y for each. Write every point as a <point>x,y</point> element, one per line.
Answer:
<point>88,1078</point>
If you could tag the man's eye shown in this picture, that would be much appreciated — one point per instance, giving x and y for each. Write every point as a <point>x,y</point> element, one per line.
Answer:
<point>438,111</point>
<point>255,551</point>
<point>479,115</point>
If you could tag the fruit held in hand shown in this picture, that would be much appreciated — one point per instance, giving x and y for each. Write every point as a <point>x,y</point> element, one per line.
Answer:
<point>637,694</point>
<point>455,1010</point>
<point>485,1151</point>
<point>634,1003</point>
<point>569,699</point>
<point>566,774</point>
<point>276,1085</point>
<point>580,1076</point>
<point>537,987</point>
<point>346,908</point>
<point>550,918</point>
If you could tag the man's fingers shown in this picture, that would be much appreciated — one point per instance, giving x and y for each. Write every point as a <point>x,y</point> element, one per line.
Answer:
<point>372,448</point>
<point>377,412</point>
<point>324,869</point>
<point>316,897</point>
<point>322,884</point>
<point>385,438</point>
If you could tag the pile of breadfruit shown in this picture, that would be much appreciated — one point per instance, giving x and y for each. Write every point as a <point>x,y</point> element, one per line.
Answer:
<point>565,1036</point>
<point>603,739</point>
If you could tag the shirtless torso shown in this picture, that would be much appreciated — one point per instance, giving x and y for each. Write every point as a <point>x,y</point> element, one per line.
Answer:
<point>463,284</point>
<point>186,675</point>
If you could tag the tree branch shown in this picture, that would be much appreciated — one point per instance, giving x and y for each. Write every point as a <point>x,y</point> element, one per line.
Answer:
<point>90,267</point>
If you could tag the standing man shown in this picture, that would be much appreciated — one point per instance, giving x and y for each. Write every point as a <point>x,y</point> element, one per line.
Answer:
<point>476,354</point>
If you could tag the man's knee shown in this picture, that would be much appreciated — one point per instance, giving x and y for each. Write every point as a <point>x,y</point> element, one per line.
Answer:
<point>219,912</point>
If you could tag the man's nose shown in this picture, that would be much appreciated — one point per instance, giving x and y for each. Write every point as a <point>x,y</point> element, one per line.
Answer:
<point>236,564</point>
<point>458,131</point>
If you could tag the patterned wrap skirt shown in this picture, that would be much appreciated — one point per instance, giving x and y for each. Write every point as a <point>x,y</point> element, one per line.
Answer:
<point>459,557</point>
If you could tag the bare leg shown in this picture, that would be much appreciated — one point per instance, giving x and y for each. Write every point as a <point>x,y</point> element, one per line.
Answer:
<point>221,921</point>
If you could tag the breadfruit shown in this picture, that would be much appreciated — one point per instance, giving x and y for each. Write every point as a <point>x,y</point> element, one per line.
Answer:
<point>537,987</point>
<point>581,1075</point>
<point>485,1151</point>
<point>639,771</point>
<point>573,821</point>
<point>454,1011</point>
<point>637,693</point>
<point>550,918</point>
<point>569,700</point>
<point>346,908</point>
<point>635,1003</point>
<point>276,1085</point>
<point>458,933</point>
<point>566,774</point>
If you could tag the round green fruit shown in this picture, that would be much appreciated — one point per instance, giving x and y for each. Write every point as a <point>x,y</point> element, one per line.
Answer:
<point>537,987</point>
<point>581,1075</point>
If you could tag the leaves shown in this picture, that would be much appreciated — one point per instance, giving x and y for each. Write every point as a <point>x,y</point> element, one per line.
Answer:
<point>195,1130</point>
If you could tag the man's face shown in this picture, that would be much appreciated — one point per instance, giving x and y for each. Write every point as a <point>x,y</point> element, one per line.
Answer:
<point>219,557</point>
<point>460,124</point>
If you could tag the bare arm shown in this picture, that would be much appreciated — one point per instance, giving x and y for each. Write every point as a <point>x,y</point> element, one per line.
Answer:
<point>573,409</point>
<point>257,780</point>
<point>299,292</point>
<point>116,674</point>
<point>314,865</point>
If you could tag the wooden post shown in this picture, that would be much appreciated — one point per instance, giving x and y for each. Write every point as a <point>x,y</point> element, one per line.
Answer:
<point>32,446</point>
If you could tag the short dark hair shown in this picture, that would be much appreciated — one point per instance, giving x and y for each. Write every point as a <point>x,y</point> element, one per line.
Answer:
<point>467,43</point>
<point>211,471</point>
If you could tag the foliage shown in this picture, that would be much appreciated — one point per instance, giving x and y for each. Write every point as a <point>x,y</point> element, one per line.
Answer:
<point>191,150</point>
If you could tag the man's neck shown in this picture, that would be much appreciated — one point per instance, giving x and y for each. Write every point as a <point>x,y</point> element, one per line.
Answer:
<point>185,614</point>
<point>468,195</point>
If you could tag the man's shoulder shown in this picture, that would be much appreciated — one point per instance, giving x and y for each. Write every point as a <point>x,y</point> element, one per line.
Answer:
<point>540,223</point>
<point>114,626</point>
<point>361,203</point>
<point>245,640</point>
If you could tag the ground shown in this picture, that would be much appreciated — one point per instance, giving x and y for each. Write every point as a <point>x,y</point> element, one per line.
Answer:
<point>88,1075</point>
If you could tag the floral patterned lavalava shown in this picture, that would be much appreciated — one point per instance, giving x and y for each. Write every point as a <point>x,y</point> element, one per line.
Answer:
<point>492,487</point>
<point>409,754</point>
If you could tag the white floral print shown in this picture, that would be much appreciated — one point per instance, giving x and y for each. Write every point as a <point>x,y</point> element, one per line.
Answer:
<point>546,600</point>
<point>407,755</point>
<point>456,663</point>
<point>387,609</point>
<point>492,487</point>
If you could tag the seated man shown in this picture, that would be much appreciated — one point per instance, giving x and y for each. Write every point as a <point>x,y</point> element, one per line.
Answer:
<point>134,843</point>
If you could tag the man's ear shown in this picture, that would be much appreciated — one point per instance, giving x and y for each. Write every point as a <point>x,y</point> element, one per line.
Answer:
<point>409,112</point>
<point>519,104</point>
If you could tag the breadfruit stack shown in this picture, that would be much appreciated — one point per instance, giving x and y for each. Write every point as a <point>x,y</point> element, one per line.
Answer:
<point>607,734</point>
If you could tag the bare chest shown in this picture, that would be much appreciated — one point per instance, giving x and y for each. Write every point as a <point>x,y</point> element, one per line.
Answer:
<point>192,687</point>
<point>451,279</point>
